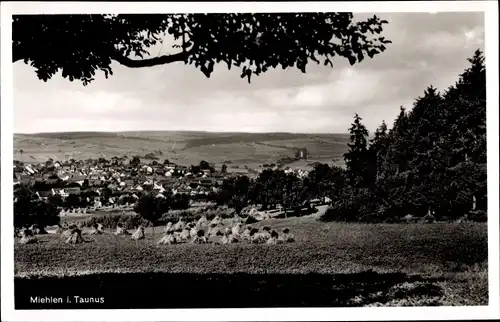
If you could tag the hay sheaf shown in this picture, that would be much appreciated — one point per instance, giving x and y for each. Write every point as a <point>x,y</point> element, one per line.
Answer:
<point>28,240</point>
<point>97,229</point>
<point>168,239</point>
<point>121,231</point>
<point>75,237</point>
<point>139,233</point>
<point>28,237</point>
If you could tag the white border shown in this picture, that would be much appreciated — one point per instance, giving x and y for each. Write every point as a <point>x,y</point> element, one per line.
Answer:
<point>491,26</point>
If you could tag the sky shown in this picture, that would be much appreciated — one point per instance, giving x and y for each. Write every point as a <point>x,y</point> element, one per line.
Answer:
<point>427,49</point>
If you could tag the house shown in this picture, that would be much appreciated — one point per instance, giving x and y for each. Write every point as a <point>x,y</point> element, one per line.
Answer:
<point>68,191</point>
<point>18,172</point>
<point>25,181</point>
<point>52,182</point>
<point>168,184</point>
<point>56,191</point>
<point>44,194</point>
<point>95,190</point>
<point>97,203</point>
<point>95,183</point>
<point>29,170</point>
<point>207,182</point>
<point>63,176</point>
<point>181,191</point>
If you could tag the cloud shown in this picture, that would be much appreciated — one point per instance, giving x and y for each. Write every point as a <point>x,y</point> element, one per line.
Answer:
<point>427,49</point>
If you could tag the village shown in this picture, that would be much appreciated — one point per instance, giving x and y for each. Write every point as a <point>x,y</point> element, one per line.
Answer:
<point>120,181</point>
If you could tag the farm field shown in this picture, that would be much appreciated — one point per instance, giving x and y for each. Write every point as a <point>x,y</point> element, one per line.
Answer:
<point>331,264</point>
<point>184,148</point>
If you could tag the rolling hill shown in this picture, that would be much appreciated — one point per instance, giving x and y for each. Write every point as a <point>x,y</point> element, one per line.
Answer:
<point>185,148</point>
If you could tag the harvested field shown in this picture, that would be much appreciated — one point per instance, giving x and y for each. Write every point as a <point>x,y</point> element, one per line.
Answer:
<point>330,265</point>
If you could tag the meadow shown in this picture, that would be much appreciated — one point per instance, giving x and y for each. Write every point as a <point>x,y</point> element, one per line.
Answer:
<point>330,264</point>
<point>184,148</point>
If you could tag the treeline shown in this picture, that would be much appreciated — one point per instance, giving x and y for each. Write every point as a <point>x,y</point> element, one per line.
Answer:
<point>276,187</point>
<point>432,161</point>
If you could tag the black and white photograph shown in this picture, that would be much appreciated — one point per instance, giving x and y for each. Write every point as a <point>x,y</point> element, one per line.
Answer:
<point>280,156</point>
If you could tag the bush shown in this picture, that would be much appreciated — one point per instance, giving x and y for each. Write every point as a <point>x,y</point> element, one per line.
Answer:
<point>150,156</point>
<point>478,216</point>
<point>180,202</point>
<point>130,221</point>
<point>194,214</point>
<point>358,205</point>
<point>174,216</point>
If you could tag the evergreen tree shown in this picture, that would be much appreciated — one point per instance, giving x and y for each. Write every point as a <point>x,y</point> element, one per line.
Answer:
<point>466,102</point>
<point>428,135</point>
<point>357,158</point>
<point>379,147</point>
<point>398,149</point>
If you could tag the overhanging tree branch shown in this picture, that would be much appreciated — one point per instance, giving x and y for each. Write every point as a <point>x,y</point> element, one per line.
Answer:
<point>138,63</point>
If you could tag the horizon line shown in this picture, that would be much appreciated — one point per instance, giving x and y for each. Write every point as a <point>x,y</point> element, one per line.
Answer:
<point>172,131</point>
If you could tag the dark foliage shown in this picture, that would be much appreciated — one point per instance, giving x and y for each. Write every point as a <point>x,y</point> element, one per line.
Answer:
<point>433,160</point>
<point>80,45</point>
<point>29,210</point>
<point>151,208</point>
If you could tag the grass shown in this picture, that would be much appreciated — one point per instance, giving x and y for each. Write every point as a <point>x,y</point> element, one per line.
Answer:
<point>331,264</point>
